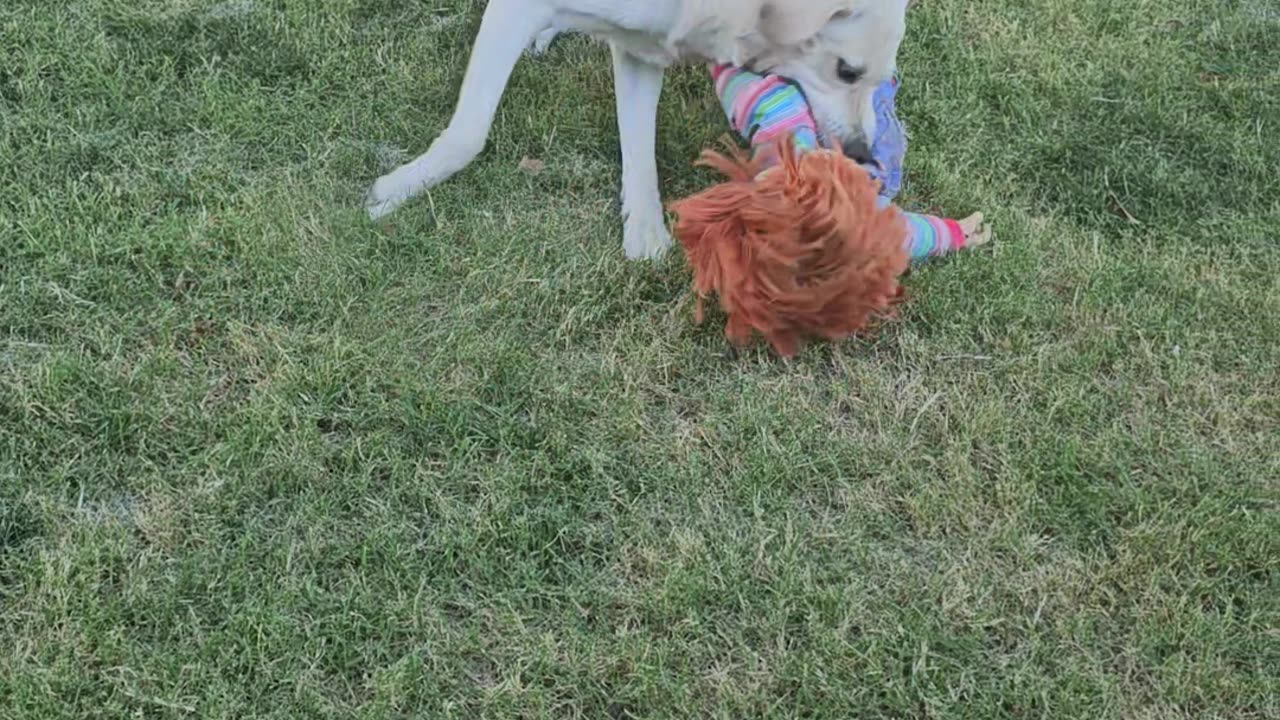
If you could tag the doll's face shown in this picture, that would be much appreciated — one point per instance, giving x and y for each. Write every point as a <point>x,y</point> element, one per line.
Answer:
<point>841,66</point>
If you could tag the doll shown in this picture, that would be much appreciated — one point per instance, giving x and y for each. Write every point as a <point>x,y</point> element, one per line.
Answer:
<point>799,240</point>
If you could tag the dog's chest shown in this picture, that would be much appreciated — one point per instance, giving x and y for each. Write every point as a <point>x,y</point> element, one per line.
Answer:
<point>646,46</point>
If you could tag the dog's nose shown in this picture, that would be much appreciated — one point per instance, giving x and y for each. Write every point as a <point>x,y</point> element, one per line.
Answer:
<point>857,150</point>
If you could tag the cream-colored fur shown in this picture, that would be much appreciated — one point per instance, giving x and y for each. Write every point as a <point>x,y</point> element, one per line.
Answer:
<point>815,42</point>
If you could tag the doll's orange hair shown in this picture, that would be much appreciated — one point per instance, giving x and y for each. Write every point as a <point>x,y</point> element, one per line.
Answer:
<point>793,245</point>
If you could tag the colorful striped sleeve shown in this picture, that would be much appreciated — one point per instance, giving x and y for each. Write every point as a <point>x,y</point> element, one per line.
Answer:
<point>765,108</point>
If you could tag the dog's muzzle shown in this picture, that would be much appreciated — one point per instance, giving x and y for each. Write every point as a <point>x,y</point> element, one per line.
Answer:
<point>857,150</point>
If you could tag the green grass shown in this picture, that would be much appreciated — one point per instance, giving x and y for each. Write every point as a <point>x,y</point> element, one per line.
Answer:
<point>262,458</point>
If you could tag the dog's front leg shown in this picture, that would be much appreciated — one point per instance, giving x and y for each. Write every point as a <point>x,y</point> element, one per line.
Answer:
<point>638,85</point>
<point>506,30</point>
<point>542,43</point>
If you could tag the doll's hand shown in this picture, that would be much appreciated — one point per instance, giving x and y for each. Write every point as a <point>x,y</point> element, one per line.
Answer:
<point>976,230</point>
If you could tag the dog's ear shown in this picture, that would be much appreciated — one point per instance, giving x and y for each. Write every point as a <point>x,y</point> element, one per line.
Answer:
<point>791,22</point>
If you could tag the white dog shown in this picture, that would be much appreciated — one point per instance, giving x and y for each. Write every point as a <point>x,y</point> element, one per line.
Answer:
<point>838,51</point>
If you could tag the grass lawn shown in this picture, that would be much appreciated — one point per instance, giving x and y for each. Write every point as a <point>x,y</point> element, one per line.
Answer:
<point>262,458</point>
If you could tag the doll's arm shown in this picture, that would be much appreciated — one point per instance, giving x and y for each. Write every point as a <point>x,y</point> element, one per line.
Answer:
<point>765,108</point>
<point>932,236</point>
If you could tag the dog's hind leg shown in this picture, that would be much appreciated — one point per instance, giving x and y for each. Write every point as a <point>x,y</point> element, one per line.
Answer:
<point>506,30</point>
<point>638,85</point>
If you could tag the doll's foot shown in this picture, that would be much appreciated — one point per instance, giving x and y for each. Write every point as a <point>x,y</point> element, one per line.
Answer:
<point>976,230</point>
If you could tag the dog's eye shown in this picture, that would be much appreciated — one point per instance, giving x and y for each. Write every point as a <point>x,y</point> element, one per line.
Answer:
<point>848,73</point>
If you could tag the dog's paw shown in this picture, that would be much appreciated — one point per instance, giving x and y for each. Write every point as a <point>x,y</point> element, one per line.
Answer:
<point>645,236</point>
<point>386,195</point>
<point>543,41</point>
<point>976,230</point>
